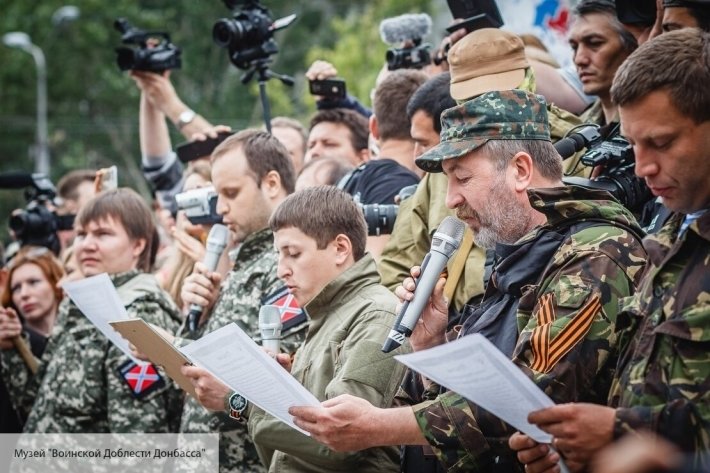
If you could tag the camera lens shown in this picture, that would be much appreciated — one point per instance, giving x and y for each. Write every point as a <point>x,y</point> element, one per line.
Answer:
<point>126,58</point>
<point>227,32</point>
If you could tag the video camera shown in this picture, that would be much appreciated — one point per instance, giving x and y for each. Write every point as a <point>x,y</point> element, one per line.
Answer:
<point>139,56</point>
<point>380,218</point>
<point>200,206</point>
<point>408,29</point>
<point>248,36</point>
<point>616,155</point>
<point>37,224</point>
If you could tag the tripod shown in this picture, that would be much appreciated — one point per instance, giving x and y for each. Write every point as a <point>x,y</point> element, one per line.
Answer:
<point>260,68</point>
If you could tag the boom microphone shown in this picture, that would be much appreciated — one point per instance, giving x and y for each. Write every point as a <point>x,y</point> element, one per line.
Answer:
<point>405,28</point>
<point>216,243</point>
<point>270,327</point>
<point>15,180</point>
<point>444,243</point>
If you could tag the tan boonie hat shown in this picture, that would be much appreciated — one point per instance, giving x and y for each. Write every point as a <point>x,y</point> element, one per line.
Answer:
<point>501,115</point>
<point>485,60</point>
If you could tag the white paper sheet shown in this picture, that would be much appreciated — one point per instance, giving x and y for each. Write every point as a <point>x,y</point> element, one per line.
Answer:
<point>97,299</point>
<point>233,358</point>
<point>474,368</point>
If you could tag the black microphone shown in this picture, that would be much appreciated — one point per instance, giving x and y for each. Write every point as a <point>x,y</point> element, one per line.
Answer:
<point>583,138</point>
<point>17,179</point>
<point>444,243</point>
<point>216,243</point>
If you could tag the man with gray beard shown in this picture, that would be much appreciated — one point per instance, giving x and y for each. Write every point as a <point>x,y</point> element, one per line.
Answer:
<point>565,256</point>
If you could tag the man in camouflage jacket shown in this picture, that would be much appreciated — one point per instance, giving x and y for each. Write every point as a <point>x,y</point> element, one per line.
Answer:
<point>579,252</point>
<point>662,383</point>
<point>248,192</point>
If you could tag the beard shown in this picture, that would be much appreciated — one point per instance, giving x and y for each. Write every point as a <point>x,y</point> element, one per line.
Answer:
<point>502,220</point>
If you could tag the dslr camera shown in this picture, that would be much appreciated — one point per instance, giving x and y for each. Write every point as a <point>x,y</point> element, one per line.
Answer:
<point>248,35</point>
<point>380,218</point>
<point>37,224</point>
<point>138,55</point>
<point>409,30</point>
<point>200,206</point>
<point>617,156</point>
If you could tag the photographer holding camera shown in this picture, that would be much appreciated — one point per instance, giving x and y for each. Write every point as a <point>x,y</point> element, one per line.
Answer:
<point>379,180</point>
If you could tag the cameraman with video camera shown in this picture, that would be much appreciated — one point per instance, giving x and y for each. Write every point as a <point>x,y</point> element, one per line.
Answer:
<point>379,180</point>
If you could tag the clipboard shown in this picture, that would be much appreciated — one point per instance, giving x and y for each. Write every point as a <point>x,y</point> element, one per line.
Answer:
<point>158,350</point>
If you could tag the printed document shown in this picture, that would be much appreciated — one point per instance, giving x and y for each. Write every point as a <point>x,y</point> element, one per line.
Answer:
<point>97,299</point>
<point>474,368</point>
<point>233,358</point>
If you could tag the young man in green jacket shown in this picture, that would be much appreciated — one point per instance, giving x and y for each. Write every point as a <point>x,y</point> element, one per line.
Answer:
<point>320,236</point>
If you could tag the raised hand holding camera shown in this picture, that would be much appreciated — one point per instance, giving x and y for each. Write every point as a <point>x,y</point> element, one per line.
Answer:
<point>137,54</point>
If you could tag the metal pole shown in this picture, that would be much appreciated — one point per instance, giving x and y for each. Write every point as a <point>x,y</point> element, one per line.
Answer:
<point>42,163</point>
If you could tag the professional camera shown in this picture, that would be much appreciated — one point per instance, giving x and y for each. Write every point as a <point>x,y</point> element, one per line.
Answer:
<point>138,55</point>
<point>408,29</point>
<point>200,206</point>
<point>36,224</point>
<point>248,36</point>
<point>380,218</point>
<point>616,155</point>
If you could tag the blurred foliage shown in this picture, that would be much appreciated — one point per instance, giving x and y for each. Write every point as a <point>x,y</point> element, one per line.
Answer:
<point>93,107</point>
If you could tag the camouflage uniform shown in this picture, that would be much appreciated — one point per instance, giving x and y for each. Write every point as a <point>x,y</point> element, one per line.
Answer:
<point>252,280</point>
<point>663,377</point>
<point>564,338</point>
<point>78,389</point>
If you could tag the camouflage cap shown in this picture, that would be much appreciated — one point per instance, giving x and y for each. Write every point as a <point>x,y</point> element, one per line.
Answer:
<point>501,115</point>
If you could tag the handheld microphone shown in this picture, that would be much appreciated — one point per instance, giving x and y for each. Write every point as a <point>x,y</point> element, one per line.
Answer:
<point>405,28</point>
<point>444,243</point>
<point>216,243</point>
<point>583,138</point>
<point>270,327</point>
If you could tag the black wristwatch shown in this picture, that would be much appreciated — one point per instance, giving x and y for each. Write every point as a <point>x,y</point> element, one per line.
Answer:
<point>236,405</point>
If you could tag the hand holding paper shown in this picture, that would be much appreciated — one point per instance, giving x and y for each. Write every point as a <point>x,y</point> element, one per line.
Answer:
<point>233,358</point>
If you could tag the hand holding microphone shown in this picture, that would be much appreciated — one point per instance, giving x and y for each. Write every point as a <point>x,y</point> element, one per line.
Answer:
<point>430,329</point>
<point>444,243</point>
<point>199,290</point>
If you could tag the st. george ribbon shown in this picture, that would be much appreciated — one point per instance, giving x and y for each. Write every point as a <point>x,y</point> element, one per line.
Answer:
<point>270,327</point>
<point>216,243</point>
<point>444,244</point>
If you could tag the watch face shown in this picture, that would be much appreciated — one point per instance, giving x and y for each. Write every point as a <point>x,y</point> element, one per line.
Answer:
<point>187,116</point>
<point>237,402</point>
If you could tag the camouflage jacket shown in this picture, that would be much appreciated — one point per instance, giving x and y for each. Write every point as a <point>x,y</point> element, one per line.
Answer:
<point>251,281</point>
<point>350,318</point>
<point>663,378</point>
<point>566,341</point>
<point>78,387</point>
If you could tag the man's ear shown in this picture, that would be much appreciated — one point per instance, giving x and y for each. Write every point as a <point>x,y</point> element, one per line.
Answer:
<point>138,247</point>
<point>374,128</point>
<point>523,170</point>
<point>343,249</point>
<point>271,184</point>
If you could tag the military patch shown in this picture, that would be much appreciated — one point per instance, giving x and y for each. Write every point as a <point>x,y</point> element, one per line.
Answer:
<point>546,350</point>
<point>141,379</point>
<point>291,314</point>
